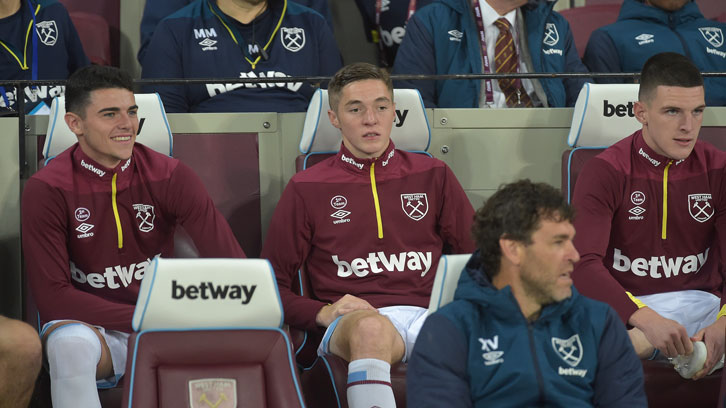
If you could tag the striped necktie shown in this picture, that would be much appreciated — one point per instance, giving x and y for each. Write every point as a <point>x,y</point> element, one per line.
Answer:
<point>506,60</point>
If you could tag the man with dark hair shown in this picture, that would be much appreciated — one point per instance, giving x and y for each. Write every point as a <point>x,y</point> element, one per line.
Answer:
<point>652,206</point>
<point>371,269</point>
<point>37,41</point>
<point>517,332</point>
<point>20,357</point>
<point>648,27</point>
<point>93,219</point>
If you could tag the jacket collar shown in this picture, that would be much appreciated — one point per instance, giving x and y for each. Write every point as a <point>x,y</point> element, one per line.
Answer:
<point>92,169</point>
<point>351,163</point>
<point>648,156</point>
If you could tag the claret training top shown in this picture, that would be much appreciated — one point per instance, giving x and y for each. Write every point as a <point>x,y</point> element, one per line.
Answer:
<point>90,232</point>
<point>372,228</point>
<point>649,224</point>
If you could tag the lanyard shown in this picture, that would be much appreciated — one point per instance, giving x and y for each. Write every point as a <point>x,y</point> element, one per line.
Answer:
<point>24,63</point>
<point>478,17</point>
<point>379,9</point>
<point>234,33</point>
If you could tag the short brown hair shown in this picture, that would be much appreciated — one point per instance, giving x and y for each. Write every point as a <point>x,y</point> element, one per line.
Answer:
<point>358,71</point>
<point>668,69</point>
<point>91,78</point>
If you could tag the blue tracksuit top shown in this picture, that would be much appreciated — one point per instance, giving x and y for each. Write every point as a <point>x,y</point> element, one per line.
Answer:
<point>480,351</point>
<point>198,41</point>
<point>156,10</point>
<point>60,52</point>
<point>430,48</point>
<point>643,31</point>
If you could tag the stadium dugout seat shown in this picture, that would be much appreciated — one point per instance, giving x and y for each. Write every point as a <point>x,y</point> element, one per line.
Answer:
<point>324,378</point>
<point>320,140</point>
<point>446,280</point>
<point>584,20</point>
<point>223,347</point>
<point>601,117</point>
<point>154,133</point>
<point>95,36</point>
<point>598,2</point>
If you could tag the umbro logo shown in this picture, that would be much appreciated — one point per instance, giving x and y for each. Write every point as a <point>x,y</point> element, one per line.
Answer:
<point>208,44</point>
<point>84,230</point>
<point>456,35</point>
<point>341,216</point>
<point>645,39</point>
<point>636,210</point>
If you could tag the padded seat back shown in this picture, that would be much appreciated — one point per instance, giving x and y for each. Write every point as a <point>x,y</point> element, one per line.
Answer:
<point>447,279</point>
<point>584,20</point>
<point>209,334</point>
<point>320,139</point>
<point>603,115</point>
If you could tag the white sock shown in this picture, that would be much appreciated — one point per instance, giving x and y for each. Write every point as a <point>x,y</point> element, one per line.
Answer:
<point>369,384</point>
<point>73,353</point>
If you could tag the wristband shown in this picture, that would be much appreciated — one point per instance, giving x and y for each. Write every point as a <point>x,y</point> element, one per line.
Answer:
<point>642,305</point>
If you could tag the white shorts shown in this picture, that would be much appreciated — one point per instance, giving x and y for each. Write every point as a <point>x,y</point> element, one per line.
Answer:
<point>694,309</point>
<point>406,319</point>
<point>118,346</point>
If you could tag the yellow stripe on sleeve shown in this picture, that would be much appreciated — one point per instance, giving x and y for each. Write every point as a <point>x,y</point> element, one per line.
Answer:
<point>636,300</point>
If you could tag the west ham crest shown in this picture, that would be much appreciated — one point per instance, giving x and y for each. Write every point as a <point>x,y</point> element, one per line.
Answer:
<point>415,205</point>
<point>47,32</point>
<point>145,216</point>
<point>551,36</point>
<point>569,350</point>
<point>293,38</point>
<point>699,206</point>
<point>713,35</point>
<point>213,393</point>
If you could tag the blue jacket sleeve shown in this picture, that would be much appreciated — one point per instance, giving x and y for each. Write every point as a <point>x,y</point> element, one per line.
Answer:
<point>166,63</point>
<point>573,63</point>
<point>416,55</point>
<point>601,55</point>
<point>436,375</point>
<point>619,377</point>
<point>154,12</point>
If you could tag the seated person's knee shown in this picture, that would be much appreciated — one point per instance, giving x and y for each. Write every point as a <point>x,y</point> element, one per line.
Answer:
<point>372,331</point>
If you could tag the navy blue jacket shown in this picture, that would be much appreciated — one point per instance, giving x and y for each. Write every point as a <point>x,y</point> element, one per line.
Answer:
<point>643,31</point>
<point>156,10</point>
<point>480,351</point>
<point>60,52</point>
<point>198,41</point>
<point>429,48</point>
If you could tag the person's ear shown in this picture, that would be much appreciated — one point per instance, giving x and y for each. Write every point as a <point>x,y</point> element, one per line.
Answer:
<point>333,118</point>
<point>641,112</point>
<point>74,122</point>
<point>511,250</point>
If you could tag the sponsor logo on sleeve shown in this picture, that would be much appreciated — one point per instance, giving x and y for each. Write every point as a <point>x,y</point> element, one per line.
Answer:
<point>699,206</point>
<point>213,393</point>
<point>292,38</point>
<point>415,205</point>
<point>491,355</point>
<point>570,351</point>
<point>47,32</point>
